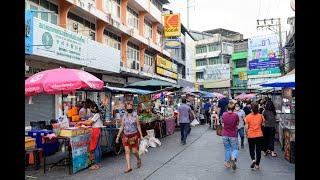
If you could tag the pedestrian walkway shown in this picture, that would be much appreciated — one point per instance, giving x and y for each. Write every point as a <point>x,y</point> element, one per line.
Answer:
<point>201,158</point>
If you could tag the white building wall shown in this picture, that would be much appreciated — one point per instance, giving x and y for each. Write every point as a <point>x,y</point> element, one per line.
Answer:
<point>190,58</point>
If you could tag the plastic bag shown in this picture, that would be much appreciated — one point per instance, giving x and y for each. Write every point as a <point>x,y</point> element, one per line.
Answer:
<point>143,147</point>
<point>194,122</point>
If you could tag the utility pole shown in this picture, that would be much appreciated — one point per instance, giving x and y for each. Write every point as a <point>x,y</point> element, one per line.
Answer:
<point>188,7</point>
<point>273,25</point>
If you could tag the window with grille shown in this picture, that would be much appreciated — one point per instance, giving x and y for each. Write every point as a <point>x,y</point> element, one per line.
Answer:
<point>199,75</point>
<point>112,39</point>
<point>201,62</point>
<point>214,60</point>
<point>50,10</point>
<point>147,30</point>
<point>132,18</point>
<point>201,49</point>
<point>214,47</point>
<point>241,63</point>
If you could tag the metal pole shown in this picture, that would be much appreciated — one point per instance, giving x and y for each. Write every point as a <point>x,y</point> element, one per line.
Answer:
<point>188,14</point>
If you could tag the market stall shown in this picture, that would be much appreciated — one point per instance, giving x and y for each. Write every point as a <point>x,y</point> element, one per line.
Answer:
<point>286,126</point>
<point>74,139</point>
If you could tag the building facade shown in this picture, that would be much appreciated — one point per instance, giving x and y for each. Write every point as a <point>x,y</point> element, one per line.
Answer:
<point>239,67</point>
<point>213,58</point>
<point>116,40</point>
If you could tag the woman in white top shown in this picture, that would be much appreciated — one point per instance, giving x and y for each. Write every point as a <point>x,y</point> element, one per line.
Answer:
<point>94,147</point>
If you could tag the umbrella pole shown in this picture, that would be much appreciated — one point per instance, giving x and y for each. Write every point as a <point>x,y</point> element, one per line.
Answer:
<point>62,105</point>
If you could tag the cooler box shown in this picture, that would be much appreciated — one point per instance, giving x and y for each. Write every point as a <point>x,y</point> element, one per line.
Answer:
<point>50,147</point>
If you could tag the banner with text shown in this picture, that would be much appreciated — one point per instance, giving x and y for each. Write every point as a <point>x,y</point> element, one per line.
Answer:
<point>79,145</point>
<point>172,25</point>
<point>217,76</point>
<point>166,64</point>
<point>167,73</point>
<point>60,44</point>
<point>263,57</point>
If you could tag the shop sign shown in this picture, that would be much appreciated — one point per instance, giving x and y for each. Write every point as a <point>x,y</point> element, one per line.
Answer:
<point>167,73</point>
<point>174,43</point>
<point>166,64</point>
<point>217,72</point>
<point>28,45</point>
<point>172,26</point>
<point>254,83</point>
<point>112,79</point>
<point>243,76</point>
<point>61,44</point>
<point>79,145</point>
<point>217,84</point>
<point>263,56</point>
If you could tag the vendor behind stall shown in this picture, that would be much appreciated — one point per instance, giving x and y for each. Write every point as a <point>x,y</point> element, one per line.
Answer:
<point>94,146</point>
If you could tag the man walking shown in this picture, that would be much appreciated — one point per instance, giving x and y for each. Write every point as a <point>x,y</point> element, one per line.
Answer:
<point>223,103</point>
<point>207,107</point>
<point>184,120</point>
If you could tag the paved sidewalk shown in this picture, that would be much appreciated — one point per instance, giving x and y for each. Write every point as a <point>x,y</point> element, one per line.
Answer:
<point>201,158</point>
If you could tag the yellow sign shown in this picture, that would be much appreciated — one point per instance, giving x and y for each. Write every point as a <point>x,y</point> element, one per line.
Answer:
<point>167,73</point>
<point>172,25</point>
<point>243,76</point>
<point>196,86</point>
<point>168,65</point>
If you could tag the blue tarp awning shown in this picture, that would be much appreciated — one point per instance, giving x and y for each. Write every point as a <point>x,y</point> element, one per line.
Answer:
<point>286,81</point>
<point>127,90</point>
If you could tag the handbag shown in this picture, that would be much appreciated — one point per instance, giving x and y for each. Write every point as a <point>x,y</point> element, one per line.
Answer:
<point>219,129</point>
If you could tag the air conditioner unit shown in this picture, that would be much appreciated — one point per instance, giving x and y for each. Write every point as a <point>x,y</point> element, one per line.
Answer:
<point>75,26</point>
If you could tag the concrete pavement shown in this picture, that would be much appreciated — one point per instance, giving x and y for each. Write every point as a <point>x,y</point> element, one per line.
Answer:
<point>201,158</point>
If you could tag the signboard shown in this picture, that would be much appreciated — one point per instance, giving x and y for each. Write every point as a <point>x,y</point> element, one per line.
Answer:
<point>79,145</point>
<point>60,44</point>
<point>239,55</point>
<point>112,79</point>
<point>166,64</point>
<point>217,76</point>
<point>28,45</point>
<point>243,76</point>
<point>173,43</point>
<point>167,73</point>
<point>254,83</point>
<point>172,26</point>
<point>263,57</point>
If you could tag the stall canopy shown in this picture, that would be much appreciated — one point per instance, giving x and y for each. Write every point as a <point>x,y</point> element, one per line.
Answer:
<point>245,96</point>
<point>287,81</point>
<point>152,85</point>
<point>127,90</point>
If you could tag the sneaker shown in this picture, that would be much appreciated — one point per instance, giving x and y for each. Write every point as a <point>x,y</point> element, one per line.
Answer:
<point>233,164</point>
<point>253,164</point>
<point>257,167</point>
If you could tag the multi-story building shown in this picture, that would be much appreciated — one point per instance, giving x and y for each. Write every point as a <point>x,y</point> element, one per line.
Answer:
<point>213,53</point>
<point>116,40</point>
<point>289,63</point>
<point>239,67</point>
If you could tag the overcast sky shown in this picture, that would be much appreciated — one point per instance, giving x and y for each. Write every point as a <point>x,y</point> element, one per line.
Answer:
<point>235,15</point>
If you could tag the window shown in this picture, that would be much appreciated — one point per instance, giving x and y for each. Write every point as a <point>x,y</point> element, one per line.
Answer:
<point>147,30</point>
<point>116,8</point>
<point>225,60</point>
<point>201,49</point>
<point>112,39</point>
<point>201,62</point>
<point>241,63</point>
<point>148,60</point>
<point>50,10</point>
<point>82,26</point>
<point>214,47</point>
<point>159,38</point>
<point>133,53</point>
<point>157,4</point>
<point>214,60</point>
<point>132,18</point>
<point>199,75</point>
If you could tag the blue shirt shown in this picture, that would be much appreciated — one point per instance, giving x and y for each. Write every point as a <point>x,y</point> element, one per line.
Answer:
<point>184,111</point>
<point>223,103</point>
<point>207,106</point>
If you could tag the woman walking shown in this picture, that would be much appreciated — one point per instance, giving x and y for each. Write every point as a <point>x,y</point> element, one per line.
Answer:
<point>230,122</point>
<point>130,140</point>
<point>241,115</point>
<point>269,129</point>
<point>254,122</point>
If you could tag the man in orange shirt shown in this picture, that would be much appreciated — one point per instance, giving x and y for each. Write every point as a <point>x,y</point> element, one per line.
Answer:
<point>254,122</point>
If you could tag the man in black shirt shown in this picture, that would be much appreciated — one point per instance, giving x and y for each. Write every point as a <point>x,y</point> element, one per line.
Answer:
<point>223,103</point>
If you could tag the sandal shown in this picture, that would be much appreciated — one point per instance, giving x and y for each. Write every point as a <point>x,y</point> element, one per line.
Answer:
<point>139,163</point>
<point>274,154</point>
<point>128,170</point>
<point>227,165</point>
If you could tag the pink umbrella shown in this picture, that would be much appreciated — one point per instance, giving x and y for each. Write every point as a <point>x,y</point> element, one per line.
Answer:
<point>245,96</point>
<point>61,80</point>
<point>218,95</point>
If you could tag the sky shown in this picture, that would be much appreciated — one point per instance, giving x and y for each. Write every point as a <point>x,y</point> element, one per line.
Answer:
<point>236,15</point>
